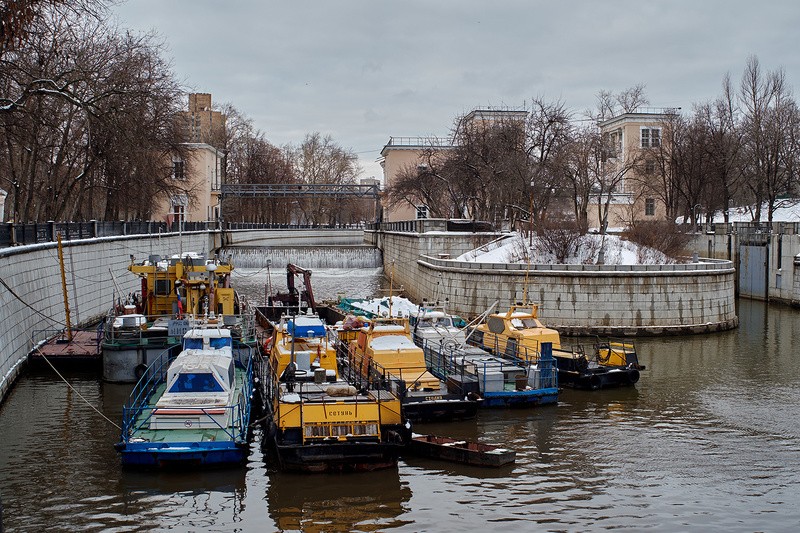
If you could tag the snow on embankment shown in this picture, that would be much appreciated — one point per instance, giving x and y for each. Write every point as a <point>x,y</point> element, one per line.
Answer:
<point>516,249</point>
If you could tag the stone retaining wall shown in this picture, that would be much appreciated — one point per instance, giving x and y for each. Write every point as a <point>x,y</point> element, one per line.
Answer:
<point>31,295</point>
<point>577,299</point>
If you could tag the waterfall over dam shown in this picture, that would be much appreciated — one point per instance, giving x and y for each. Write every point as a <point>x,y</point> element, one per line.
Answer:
<point>358,256</point>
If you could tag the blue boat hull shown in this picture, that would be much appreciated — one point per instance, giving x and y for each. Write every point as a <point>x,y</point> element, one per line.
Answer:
<point>526,398</point>
<point>178,454</point>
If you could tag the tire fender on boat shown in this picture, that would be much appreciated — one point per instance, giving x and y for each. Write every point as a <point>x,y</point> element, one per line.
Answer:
<point>632,375</point>
<point>139,371</point>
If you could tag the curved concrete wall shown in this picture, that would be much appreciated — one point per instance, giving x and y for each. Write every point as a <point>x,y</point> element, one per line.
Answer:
<point>31,295</point>
<point>577,299</point>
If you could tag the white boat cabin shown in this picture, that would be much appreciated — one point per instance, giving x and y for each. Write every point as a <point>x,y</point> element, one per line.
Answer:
<point>436,327</point>
<point>200,383</point>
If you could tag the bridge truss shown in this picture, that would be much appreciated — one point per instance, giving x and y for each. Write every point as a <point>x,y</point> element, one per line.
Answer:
<point>303,190</point>
<point>299,190</point>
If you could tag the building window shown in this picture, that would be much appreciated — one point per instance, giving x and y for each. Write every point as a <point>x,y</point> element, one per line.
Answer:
<point>178,213</point>
<point>178,170</point>
<point>650,207</point>
<point>649,166</point>
<point>651,137</point>
<point>422,211</point>
<point>612,144</point>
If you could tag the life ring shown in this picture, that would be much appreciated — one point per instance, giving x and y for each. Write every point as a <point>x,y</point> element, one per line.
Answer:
<point>268,344</point>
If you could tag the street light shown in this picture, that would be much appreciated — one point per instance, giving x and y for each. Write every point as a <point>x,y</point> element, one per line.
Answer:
<point>694,218</point>
<point>695,255</point>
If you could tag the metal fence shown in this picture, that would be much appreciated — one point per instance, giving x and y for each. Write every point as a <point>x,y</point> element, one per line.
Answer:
<point>12,234</point>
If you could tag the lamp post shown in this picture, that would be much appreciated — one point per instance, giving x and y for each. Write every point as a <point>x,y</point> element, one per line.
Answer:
<point>694,218</point>
<point>695,255</point>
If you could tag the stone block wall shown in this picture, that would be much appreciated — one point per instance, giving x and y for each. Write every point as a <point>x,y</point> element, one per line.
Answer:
<point>31,295</point>
<point>578,299</point>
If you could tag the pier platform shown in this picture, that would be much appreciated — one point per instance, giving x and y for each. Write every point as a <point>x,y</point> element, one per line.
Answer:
<point>83,348</point>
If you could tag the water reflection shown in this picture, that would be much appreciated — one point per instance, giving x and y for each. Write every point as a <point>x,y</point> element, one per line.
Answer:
<point>371,501</point>
<point>708,439</point>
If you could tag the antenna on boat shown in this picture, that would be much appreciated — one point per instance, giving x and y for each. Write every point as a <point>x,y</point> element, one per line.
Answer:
<point>391,291</point>
<point>64,288</point>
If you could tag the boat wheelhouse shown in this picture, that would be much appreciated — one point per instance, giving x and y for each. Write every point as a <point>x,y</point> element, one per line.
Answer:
<point>387,344</point>
<point>519,334</point>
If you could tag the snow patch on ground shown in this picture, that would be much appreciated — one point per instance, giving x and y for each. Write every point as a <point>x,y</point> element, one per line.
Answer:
<point>516,249</point>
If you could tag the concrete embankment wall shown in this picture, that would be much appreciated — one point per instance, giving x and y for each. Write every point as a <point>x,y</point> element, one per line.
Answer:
<point>577,299</point>
<point>782,269</point>
<point>31,296</point>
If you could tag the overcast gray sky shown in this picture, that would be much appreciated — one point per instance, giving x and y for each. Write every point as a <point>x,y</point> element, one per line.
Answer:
<point>364,70</point>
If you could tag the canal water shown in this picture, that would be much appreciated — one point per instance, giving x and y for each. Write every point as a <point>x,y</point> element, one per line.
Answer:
<point>708,440</point>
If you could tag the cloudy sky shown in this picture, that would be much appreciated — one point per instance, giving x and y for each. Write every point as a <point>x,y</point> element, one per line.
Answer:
<point>364,70</point>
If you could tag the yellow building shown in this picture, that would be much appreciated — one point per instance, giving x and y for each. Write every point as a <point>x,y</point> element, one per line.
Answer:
<point>199,176</point>
<point>633,143</point>
<point>201,173</point>
<point>403,153</point>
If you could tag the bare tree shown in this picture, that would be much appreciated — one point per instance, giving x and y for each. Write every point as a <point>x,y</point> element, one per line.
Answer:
<point>769,114</point>
<point>320,160</point>
<point>90,129</point>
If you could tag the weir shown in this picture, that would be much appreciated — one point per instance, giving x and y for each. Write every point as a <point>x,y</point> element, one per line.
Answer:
<point>306,256</point>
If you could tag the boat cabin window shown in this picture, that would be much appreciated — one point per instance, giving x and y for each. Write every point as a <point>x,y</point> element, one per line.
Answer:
<point>220,342</point>
<point>192,344</point>
<point>525,323</point>
<point>191,382</point>
<point>435,321</point>
<point>163,287</point>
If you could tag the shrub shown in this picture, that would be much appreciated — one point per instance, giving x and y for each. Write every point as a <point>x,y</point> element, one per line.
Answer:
<point>664,236</point>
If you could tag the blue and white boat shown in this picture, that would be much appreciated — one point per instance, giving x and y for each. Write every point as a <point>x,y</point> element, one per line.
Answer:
<point>193,409</point>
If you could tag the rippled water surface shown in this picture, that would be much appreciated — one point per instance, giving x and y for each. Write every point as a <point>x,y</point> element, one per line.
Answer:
<point>708,440</point>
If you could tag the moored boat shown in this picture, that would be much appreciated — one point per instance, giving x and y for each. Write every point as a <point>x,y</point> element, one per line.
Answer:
<point>519,334</point>
<point>147,323</point>
<point>193,409</point>
<point>474,372</point>
<point>317,421</point>
<point>460,451</point>
<point>387,344</point>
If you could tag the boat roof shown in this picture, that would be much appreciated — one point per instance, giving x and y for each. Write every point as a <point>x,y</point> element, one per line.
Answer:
<point>392,342</point>
<point>210,332</point>
<point>193,360</point>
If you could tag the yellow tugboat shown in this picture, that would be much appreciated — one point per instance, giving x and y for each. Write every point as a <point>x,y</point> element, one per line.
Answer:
<point>140,328</point>
<point>316,421</point>
<point>518,333</point>
<point>388,344</point>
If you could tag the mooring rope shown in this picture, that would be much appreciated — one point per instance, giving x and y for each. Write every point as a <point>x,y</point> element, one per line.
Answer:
<point>43,356</point>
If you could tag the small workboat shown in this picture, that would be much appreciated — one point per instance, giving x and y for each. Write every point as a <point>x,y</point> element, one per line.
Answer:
<point>146,323</point>
<point>519,334</point>
<point>386,344</point>
<point>318,422</point>
<point>460,451</point>
<point>193,409</point>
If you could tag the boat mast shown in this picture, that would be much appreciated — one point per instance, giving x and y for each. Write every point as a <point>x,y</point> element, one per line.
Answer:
<point>64,288</point>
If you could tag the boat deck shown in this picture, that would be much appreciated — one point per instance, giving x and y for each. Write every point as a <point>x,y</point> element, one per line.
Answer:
<point>182,435</point>
<point>84,347</point>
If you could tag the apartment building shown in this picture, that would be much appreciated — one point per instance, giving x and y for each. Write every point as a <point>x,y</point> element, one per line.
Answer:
<point>200,174</point>
<point>402,154</point>
<point>633,144</point>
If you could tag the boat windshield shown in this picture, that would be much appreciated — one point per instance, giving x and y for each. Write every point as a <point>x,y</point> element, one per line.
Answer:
<point>193,344</point>
<point>434,322</point>
<point>220,342</point>
<point>191,382</point>
<point>525,323</point>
